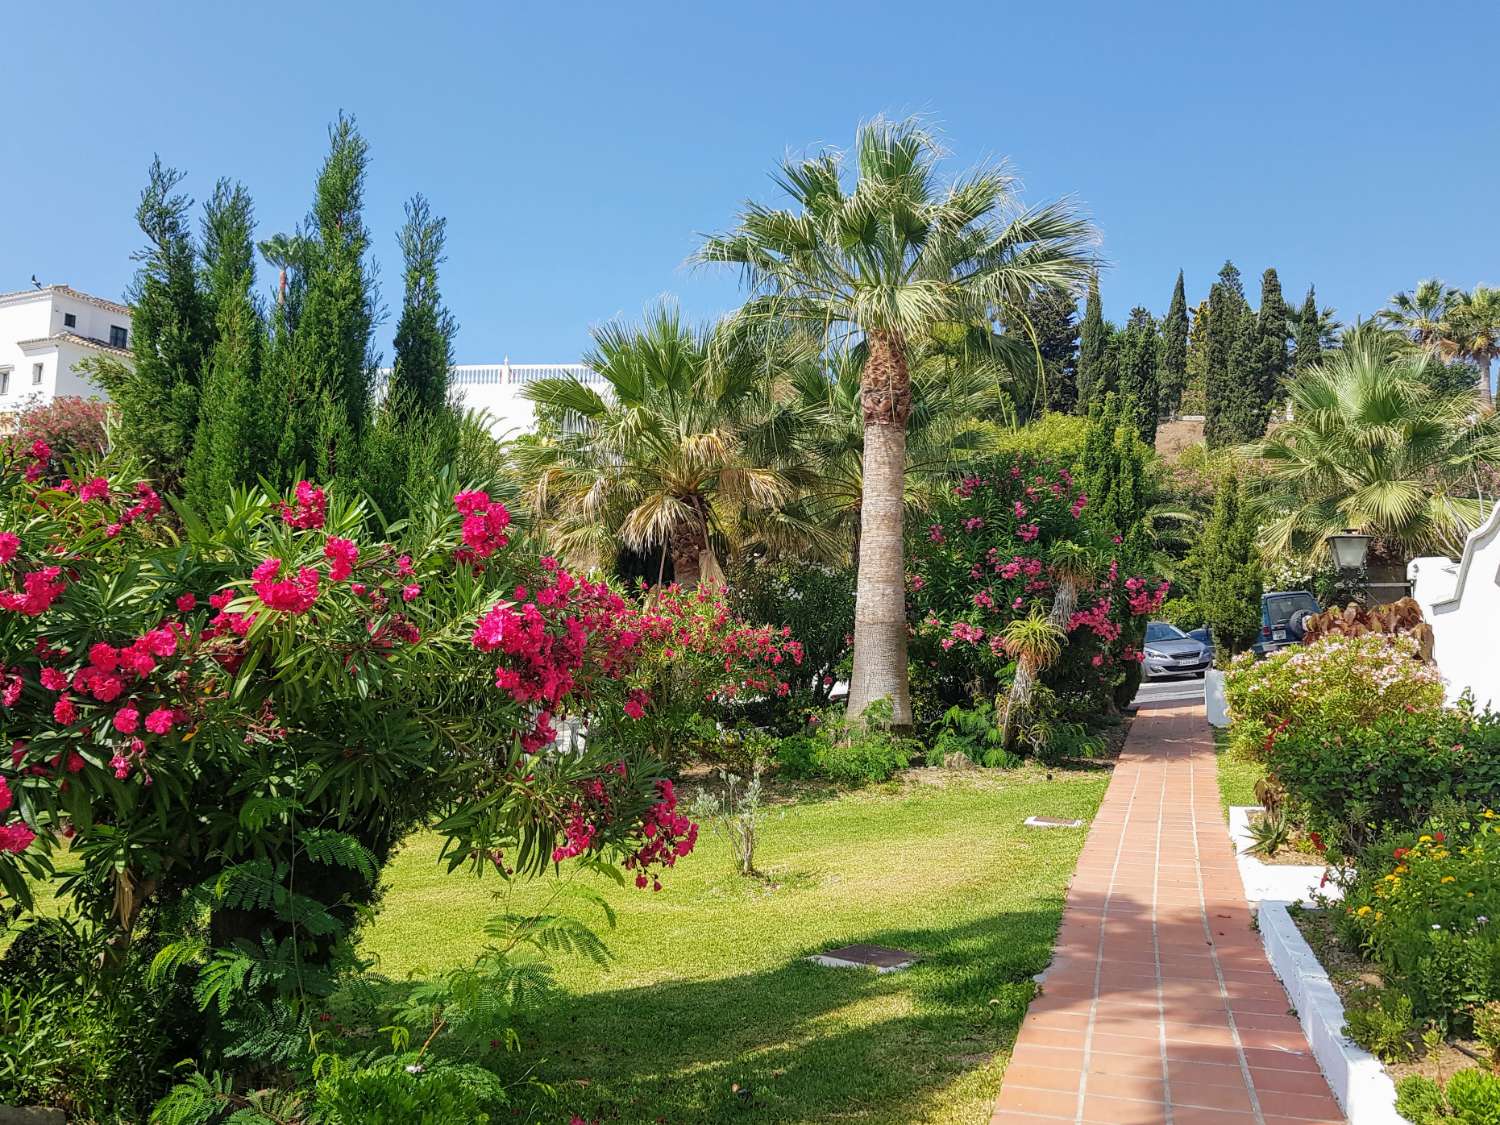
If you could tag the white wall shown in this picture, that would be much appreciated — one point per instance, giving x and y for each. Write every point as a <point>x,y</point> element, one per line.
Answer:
<point>497,390</point>
<point>1462,603</point>
<point>41,315</point>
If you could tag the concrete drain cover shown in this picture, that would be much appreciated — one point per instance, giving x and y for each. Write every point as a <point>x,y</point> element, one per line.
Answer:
<point>878,957</point>
<point>1051,822</point>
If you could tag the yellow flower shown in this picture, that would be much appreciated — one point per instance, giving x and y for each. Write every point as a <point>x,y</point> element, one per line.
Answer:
<point>1379,915</point>
<point>1489,814</point>
<point>1424,839</point>
<point>1447,879</point>
<point>1363,910</point>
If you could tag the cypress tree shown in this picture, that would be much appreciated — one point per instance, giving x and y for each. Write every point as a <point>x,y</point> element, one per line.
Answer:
<point>1172,365</point>
<point>1309,334</point>
<point>1094,376</point>
<point>1137,374</point>
<point>1227,316</point>
<point>415,432</point>
<point>1271,358</point>
<point>1242,417</point>
<point>1194,394</point>
<point>424,333</point>
<point>1229,584</point>
<point>225,452</point>
<point>330,367</point>
<point>171,333</point>
<point>1047,322</point>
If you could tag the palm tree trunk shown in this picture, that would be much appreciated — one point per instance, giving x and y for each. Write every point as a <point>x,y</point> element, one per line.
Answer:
<point>1064,602</point>
<point>686,544</point>
<point>1017,704</point>
<point>880,602</point>
<point>1486,396</point>
<point>854,539</point>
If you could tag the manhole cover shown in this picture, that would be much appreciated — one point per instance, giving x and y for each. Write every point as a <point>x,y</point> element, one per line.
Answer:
<point>878,957</point>
<point>1051,822</point>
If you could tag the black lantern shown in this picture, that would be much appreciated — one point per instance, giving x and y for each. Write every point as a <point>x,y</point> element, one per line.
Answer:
<point>1349,551</point>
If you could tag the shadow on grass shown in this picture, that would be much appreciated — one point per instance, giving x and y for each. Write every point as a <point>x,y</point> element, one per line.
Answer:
<point>801,1042</point>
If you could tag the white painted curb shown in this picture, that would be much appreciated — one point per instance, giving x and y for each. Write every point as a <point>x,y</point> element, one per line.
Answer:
<point>1284,882</point>
<point>1356,1077</point>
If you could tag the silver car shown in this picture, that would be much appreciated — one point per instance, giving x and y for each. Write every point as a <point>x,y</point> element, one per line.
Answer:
<point>1171,652</point>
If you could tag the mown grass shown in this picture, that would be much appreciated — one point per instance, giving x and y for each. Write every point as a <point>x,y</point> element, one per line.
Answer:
<point>711,1012</point>
<point>1237,774</point>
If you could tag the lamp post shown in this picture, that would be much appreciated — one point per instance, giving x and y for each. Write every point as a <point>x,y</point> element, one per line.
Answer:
<point>1350,549</point>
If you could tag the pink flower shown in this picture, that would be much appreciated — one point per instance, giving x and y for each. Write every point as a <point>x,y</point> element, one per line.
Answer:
<point>159,721</point>
<point>127,720</point>
<point>411,593</point>
<point>403,565</point>
<point>64,712</point>
<point>186,603</point>
<point>10,543</point>
<point>341,554</point>
<point>6,800</point>
<point>221,599</point>
<point>15,838</point>
<point>54,680</point>
<point>104,657</point>
<point>288,596</point>
<point>96,489</point>
<point>311,508</point>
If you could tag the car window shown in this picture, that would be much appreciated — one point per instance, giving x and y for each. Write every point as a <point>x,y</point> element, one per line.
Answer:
<point>1279,609</point>
<point>1161,631</point>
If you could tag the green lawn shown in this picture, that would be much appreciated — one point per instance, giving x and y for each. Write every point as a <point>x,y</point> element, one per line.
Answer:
<point>1237,775</point>
<point>710,989</point>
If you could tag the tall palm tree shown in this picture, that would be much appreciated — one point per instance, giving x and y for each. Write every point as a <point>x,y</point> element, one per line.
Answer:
<point>948,423</point>
<point>881,261</point>
<point>1374,446</point>
<point>1420,314</point>
<point>1471,332</point>
<point>686,433</point>
<point>1034,642</point>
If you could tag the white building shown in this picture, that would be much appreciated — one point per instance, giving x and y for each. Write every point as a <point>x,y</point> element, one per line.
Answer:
<point>496,389</point>
<point>1461,601</point>
<point>43,335</point>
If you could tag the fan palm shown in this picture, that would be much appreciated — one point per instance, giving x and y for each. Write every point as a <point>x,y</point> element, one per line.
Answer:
<point>1419,314</point>
<point>1471,331</point>
<point>686,433</point>
<point>1374,446</point>
<point>882,261</point>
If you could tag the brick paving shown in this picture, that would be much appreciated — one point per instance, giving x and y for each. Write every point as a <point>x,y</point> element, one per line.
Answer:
<point>1160,1005</point>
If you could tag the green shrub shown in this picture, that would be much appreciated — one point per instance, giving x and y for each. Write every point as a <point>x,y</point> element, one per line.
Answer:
<point>1421,911</point>
<point>1326,687</point>
<point>974,733</point>
<point>1356,780</point>
<point>1474,1097</point>
<point>1380,1020</point>
<point>391,1093</point>
<point>1420,1100</point>
<point>797,756</point>
<point>1182,611</point>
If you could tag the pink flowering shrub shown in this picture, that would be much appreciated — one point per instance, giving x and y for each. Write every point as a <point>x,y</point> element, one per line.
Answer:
<point>985,561</point>
<point>288,693</point>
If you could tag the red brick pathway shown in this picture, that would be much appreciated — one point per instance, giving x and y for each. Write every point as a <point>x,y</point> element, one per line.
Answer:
<point>1159,1005</point>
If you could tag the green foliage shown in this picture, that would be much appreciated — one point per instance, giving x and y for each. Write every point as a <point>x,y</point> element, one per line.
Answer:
<point>1486,1019</point>
<point>1182,611</point>
<point>1309,348</point>
<point>813,600</point>
<point>1046,320</point>
<point>1228,568</point>
<point>415,430</point>
<point>1420,907</point>
<point>1472,1097</point>
<point>172,332</point>
<point>1229,322</point>
<point>1172,356</point>
<point>390,1093</point>
<point>1270,354</point>
<point>1270,831</point>
<point>1096,369</point>
<point>855,752</point>
<point>1380,1020</point>
<point>227,445</point>
<point>973,733</point>
<point>1137,373</point>
<point>327,374</point>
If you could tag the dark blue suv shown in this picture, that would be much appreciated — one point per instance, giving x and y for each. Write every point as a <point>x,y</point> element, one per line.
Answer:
<point>1283,619</point>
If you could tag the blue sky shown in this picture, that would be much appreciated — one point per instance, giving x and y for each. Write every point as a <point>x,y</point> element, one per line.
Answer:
<point>579,149</point>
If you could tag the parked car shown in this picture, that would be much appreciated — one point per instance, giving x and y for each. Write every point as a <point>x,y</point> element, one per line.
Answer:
<point>1171,652</point>
<point>1283,619</point>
